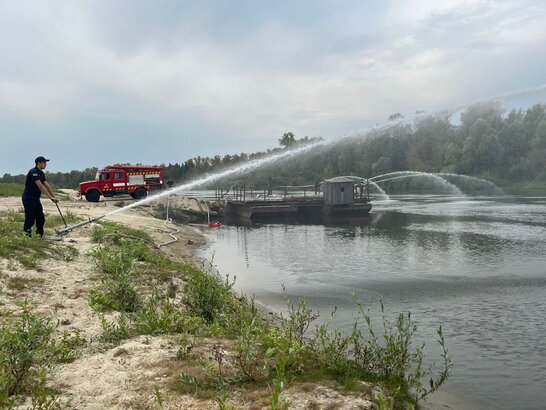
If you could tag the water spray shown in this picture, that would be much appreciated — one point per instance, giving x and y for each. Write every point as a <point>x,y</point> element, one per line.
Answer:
<point>250,165</point>
<point>441,177</point>
<point>253,164</point>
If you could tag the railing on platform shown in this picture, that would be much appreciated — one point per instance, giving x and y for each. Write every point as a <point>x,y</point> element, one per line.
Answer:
<point>238,193</point>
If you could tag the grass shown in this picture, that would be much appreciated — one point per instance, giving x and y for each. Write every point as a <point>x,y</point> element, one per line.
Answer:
<point>7,190</point>
<point>105,231</point>
<point>11,190</point>
<point>29,252</point>
<point>55,221</point>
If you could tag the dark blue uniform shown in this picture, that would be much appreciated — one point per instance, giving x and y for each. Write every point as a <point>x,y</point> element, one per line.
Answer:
<point>31,202</point>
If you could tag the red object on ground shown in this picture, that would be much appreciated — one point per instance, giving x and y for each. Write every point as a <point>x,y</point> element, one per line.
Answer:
<point>215,224</point>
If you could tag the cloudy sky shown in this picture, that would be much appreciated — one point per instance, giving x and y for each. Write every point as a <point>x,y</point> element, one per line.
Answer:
<point>88,83</point>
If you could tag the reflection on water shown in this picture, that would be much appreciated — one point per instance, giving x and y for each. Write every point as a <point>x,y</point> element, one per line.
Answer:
<point>475,265</point>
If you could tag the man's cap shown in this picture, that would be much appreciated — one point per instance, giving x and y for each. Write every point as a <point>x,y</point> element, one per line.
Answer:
<point>40,159</point>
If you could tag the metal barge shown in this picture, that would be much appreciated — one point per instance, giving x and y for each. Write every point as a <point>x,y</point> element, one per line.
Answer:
<point>340,196</point>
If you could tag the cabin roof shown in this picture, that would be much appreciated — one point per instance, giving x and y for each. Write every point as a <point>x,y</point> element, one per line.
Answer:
<point>341,179</point>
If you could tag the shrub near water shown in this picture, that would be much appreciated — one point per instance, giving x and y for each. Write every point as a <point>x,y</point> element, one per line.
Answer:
<point>208,295</point>
<point>115,294</point>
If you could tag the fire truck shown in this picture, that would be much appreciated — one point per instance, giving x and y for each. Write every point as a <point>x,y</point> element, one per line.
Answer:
<point>122,180</point>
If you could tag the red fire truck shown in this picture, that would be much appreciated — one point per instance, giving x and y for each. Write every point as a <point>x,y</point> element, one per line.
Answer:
<point>123,180</point>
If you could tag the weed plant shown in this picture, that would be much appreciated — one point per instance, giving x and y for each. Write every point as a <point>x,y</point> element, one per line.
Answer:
<point>28,351</point>
<point>208,295</point>
<point>116,293</point>
<point>105,231</point>
<point>116,331</point>
<point>112,260</point>
<point>159,317</point>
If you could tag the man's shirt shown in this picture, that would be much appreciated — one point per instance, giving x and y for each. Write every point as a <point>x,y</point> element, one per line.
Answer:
<point>31,189</point>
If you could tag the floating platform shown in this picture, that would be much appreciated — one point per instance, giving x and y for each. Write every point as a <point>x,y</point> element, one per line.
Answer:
<point>346,197</point>
<point>294,207</point>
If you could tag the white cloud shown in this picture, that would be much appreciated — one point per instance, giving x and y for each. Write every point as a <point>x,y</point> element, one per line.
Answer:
<point>267,74</point>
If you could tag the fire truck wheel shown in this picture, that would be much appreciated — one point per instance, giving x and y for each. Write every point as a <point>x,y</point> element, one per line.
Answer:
<point>92,196</point>
<point>140,193</point>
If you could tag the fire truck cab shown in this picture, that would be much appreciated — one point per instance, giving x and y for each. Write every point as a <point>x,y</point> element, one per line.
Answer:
<point>123,180</point>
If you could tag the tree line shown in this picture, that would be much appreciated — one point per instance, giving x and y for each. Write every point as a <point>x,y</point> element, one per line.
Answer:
<point>485,142</point>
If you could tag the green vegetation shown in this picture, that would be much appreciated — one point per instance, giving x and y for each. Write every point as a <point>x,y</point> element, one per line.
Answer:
<point>139,287</point>
<point>29,349</point>
<point>16,189</point>
<point>506,149</point>
<point>30,345</point>
<point>30,252</point>
<point>106,231</point>
<point>7,189</point>
<point>265,354</point>
<point>56,179</point>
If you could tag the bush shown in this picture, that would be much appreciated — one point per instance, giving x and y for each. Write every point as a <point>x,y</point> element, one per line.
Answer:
<point>24,347</point>
<point>207,295</point>
<point>158,317</point>
<point>28,350</point>
<point>112,260</point>
<point>115,332</point>
<point>115,294</point>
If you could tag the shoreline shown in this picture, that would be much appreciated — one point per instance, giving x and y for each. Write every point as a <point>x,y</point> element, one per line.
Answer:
<point>143,370</point>
<point>441,399</point>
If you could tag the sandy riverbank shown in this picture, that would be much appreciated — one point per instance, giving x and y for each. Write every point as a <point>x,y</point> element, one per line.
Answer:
<point>100,379</point>
<point>127,376</point>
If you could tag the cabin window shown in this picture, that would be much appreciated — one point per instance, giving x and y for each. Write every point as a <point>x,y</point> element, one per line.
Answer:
<point>342,189</point>
<point>104,176</point>
<point>118,175</point>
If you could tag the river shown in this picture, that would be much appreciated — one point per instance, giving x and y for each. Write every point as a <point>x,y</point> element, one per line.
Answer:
<point>475,265</point>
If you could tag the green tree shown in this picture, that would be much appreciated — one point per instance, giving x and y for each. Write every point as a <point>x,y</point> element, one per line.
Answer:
<point>288,139</point>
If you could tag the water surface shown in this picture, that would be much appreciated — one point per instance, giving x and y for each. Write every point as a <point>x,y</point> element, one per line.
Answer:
<point>475,265</point>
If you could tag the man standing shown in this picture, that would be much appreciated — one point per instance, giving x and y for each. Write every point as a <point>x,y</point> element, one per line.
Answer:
<point>35,185</point>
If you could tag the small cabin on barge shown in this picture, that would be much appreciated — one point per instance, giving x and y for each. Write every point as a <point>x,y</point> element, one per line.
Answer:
<point>341,196</point>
